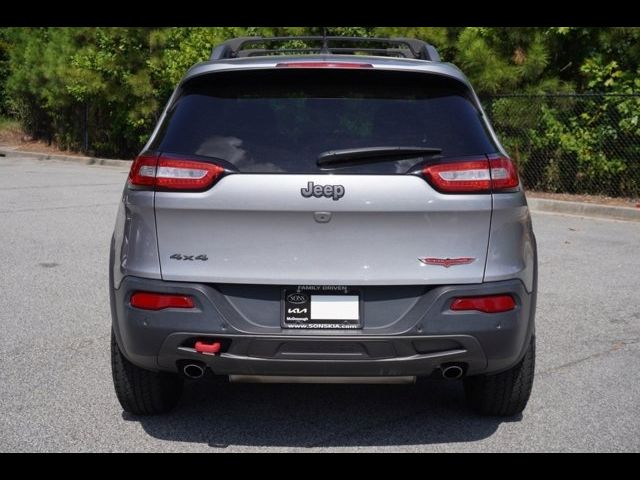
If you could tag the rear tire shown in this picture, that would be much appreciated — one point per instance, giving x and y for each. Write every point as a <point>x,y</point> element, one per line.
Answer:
<point>140,391</point>
<point>506,393</point>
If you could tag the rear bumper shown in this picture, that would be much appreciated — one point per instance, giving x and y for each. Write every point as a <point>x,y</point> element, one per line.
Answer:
<point>427,336</point>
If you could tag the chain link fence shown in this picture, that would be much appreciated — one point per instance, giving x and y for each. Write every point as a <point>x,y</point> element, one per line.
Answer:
<point>572,143</point>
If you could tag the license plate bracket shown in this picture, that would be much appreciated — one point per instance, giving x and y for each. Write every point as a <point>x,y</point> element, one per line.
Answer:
<point>321,307</point>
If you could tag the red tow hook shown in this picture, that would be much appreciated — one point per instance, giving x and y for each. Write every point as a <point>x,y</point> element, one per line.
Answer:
<point>207,348</point>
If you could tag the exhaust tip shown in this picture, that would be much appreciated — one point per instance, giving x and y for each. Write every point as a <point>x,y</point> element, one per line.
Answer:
<point>452,372</point>
<point>193,370</point>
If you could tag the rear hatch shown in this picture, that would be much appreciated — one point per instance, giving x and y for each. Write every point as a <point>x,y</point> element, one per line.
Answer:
<point>274,216</point>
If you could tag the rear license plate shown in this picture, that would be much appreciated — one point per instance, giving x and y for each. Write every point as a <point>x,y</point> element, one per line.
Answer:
<point>322,307</point>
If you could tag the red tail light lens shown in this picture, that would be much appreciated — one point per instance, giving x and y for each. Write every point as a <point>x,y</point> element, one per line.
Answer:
<point>504,175</point>
<point>159,301</point>
<point>486,304</point>
<point>323,65</point>
<point>473,176</point>
<point>459,177</point>
<point>173,174</point>
<point>167,173</point>
<point>143,171</point>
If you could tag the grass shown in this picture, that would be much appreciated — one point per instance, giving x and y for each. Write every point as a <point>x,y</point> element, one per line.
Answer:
<point>7,123</point>
<point>10,130</point>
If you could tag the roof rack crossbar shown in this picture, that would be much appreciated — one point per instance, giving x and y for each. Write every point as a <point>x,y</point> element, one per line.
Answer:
<point>410,48</point>
<point>395,52</point>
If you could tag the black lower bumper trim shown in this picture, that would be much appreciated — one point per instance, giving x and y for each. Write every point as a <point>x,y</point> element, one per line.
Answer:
<point>308,355</point>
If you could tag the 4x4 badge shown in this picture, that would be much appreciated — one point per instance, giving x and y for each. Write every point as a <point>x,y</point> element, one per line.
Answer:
<point>446,262</point>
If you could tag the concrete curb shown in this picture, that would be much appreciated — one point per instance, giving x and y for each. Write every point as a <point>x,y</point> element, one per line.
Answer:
<point>584,209</point>
<point>109,162</point>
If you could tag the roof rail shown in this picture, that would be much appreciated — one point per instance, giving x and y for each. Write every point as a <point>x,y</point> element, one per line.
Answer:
<point>395,47</point>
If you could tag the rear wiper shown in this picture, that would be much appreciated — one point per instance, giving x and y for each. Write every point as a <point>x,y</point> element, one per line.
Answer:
<point>357,156</point>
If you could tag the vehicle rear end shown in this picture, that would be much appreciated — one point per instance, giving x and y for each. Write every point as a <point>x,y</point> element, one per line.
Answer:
<point>322,219</point>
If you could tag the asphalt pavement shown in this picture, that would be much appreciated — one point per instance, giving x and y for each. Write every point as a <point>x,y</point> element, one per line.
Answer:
<point>56,393</point>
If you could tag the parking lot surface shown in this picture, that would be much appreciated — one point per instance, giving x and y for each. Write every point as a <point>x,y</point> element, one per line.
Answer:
<point>56,394</point>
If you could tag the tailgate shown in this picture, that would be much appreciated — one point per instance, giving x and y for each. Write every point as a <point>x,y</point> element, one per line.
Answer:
<point>261,229</point>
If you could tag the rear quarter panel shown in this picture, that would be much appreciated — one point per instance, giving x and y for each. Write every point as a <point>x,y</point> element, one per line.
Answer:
<point>134,239</point>
<point>512,244</point>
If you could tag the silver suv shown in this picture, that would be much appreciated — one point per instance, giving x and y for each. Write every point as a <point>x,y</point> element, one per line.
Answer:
<point>340,212</point>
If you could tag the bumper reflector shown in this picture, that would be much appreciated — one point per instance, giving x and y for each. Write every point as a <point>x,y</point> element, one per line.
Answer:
<point>486,304</point>
<point>159,301</point>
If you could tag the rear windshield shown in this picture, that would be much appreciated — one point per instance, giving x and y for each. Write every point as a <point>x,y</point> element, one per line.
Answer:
<point>280,121</point>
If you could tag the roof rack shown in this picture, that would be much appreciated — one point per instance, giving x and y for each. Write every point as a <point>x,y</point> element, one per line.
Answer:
<point>390,47</point>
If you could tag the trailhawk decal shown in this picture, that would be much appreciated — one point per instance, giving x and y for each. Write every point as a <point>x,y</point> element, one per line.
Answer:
<point>446,262</point>
<point>330,191</point>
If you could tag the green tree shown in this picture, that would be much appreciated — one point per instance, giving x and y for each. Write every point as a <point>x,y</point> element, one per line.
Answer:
<point>4,72</point>
<point>119,79</point>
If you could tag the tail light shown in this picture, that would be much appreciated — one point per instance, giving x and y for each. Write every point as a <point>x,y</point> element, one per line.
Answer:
<point>504,175</point>
<point>473,176</point>
<point>159,301</point>
<point>168,173</point>
<point>486,304</point>
<point>143,171</point>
